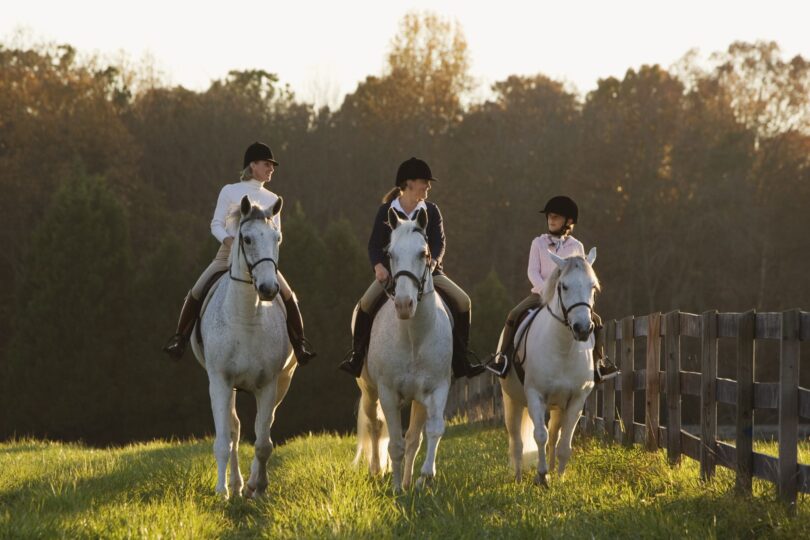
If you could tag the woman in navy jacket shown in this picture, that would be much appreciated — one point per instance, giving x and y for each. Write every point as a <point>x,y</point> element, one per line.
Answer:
<point>410,194</point>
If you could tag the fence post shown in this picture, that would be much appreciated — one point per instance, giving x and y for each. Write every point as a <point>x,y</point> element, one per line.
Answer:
<point>653,392</point>
<point>627,381</point>
<point>745,399</point>
<point>672,352</point>
<point>789,406</point>
<point>609,386</point>
<point>708,400</point>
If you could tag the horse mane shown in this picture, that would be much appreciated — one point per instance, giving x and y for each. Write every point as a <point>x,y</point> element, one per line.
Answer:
<point>256,212</point>
<point>405,227</point>
<point>575,261</point>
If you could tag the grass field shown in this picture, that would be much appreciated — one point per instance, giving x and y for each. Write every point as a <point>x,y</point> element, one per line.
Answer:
<point>166,490</point>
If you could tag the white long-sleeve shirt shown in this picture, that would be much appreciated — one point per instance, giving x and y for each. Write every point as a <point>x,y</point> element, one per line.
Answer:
<point>224,223</point>
<point>540,264</point>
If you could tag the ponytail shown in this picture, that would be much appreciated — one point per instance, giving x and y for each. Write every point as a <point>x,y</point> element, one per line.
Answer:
<point>391,195</point>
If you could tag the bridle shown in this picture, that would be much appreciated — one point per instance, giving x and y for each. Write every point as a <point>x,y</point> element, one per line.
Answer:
<point>565,310</point>
<point>419,282</point>
<point>250,266</point>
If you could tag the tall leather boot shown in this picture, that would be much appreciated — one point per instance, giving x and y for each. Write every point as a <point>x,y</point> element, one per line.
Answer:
<point>295,329</point>
<point>603,368</point>
<point>360,339</point>
<point>176,345</point>
<point>461,339</point>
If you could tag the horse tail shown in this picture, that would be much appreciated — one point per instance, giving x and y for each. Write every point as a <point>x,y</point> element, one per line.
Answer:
<point>365,439</point>
<point>527,437</point>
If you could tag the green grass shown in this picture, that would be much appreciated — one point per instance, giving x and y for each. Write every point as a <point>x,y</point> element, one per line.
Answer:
<point>166,490</point>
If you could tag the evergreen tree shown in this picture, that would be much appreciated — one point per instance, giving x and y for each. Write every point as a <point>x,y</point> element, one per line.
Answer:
<point>491,304</point>
<point>72,311</point>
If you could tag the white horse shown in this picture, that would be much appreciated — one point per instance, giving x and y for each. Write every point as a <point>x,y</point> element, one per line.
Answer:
<point>558,365</point>
<point>408,362</point>
<point>245,346</point>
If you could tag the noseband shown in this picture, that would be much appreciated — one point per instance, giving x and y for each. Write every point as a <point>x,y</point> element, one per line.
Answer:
<point>565,310</point>
<point>250,266</point>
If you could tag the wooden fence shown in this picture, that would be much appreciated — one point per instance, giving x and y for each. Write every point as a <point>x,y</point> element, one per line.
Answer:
<point>480,398</point>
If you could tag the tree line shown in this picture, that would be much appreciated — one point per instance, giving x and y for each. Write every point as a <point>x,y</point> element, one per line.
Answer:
<point>692,182</point>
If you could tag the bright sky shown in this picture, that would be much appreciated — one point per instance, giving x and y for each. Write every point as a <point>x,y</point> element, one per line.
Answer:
<point>324,48</point>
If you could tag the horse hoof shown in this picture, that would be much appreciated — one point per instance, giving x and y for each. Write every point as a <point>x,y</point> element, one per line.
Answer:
<point>424,482</point>
<point>249,492</point>
<point>541,480</point>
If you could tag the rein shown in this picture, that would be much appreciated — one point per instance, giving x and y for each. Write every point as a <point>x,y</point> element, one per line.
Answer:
<point>250,266</point>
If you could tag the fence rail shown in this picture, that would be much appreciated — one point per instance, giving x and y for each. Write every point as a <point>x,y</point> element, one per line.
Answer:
<point>480,398</point>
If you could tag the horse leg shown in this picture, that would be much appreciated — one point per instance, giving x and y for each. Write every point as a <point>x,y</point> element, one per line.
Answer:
<point>236,482</point>
<point>396,445</point>
<point>265,408</point>
<point>513,417</point>
<point>553,436</point>
<point>369,427</point>
<point>434,429</point>
<point>570,419</point>
<point>220,392</point>
<point>537,411</point>
<point>413,439</point>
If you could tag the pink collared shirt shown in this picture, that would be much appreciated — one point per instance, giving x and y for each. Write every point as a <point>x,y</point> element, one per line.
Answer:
<point>540,264</point>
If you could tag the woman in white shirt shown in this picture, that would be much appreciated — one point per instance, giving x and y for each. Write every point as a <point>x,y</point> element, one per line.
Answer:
<point>258,166</point>
<point>561,216</point>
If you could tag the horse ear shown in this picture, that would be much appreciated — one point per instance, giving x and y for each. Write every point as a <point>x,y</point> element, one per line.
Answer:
<point>559,261</point>
<point>591,258</point>
<point>275,209</point>
<point>245,206</point>
<point>393,218</point>
<point>421,219</point>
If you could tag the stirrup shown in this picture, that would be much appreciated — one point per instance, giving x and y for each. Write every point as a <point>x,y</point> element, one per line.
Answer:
<point>349,366</point>
<point>498,364</point>
<point>473,370</point>
<point>604,372</point>
<point>175,347</point>
<point>304,347</point>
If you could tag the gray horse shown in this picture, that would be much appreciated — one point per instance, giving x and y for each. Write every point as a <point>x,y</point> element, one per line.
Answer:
<point>245,346</point>
<point>408,362</point>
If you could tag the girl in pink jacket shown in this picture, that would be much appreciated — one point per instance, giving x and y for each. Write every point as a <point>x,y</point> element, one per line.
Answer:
<point>561,216</point>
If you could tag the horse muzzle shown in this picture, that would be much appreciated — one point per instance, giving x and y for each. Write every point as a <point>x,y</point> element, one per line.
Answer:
<point>405,306</point>
<point>267,293</point>
<point>581,331</point>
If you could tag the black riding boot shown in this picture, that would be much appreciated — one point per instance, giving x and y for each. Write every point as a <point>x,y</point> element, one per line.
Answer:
<point>603,368</point>
<point>360,339</point>
<point>295,329</point>
<point>176,345</point>
<point>461,339</point>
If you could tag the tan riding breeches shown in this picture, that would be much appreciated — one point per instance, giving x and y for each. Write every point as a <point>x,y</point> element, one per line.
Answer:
<point>460,299</point>
<point>531,301</point>
<point>220,264</point>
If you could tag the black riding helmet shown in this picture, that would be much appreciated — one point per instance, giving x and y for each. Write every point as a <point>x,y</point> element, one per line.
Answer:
<point>258,151</point>
<point>562,205</point>
<point>412,169</point>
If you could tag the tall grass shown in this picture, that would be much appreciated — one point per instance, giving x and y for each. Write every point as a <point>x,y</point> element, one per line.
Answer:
<point>166,490</point>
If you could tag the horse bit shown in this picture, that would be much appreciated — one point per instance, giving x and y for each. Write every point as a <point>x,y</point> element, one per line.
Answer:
<point>248,263</point>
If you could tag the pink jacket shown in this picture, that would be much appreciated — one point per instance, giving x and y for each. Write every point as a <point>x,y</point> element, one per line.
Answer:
<point>540,264</point>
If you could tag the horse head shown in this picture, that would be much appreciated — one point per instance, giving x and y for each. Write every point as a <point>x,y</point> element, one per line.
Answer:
<point>573,294</point>
<point>409,258</point>
<point>257,247</point>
